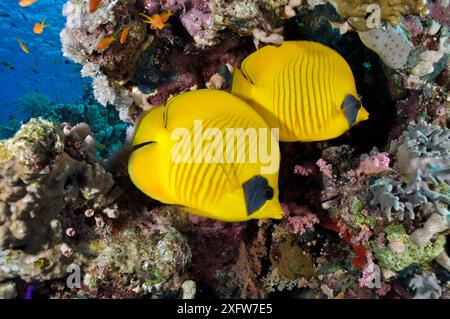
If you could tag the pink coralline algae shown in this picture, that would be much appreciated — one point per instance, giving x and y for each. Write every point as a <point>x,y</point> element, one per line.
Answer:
<point>375,164</point>
<point>440,13</point>
<point>325,168</point>
<point>304,170</point>
<point>300,219</point>
<point>369,272</point>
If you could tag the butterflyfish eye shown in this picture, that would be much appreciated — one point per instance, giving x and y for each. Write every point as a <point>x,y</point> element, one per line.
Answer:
<point>268,193</point>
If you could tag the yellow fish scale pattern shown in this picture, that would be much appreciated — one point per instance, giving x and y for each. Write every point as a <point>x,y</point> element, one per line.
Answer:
<point>303,93</point>
<point>201,184</point>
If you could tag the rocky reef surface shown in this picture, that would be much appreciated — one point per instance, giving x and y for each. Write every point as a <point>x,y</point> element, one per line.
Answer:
<point>366,215</point>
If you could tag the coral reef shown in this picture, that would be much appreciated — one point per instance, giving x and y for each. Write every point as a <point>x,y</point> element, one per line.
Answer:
<point>141,258</point>
<point>365,215</point>
<point>426,286</point>
<point>51,187</point>
<point>39,180</point>
<point>390,11</point>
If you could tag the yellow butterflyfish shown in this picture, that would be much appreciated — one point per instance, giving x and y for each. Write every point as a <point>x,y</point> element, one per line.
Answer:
<point>209,174</point>
<point>304,88</point>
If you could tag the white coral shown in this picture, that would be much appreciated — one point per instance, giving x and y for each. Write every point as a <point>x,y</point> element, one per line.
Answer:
<point>391,44</point>
<point>79,36</point>
<point>90,70</point>
<point>103,93</point>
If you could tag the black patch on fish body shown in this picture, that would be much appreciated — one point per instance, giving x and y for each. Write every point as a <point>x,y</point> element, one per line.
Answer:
<point>256,191</point>
<point>351,107</point>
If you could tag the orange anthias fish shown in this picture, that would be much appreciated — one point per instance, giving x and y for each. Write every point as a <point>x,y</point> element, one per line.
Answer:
<point>39,27</point>
<point>24,48</point>
<point>26,3</point>
<point>105,43</point>
<point>157,21</point>
<point>93,5</point>
<point>124,34</point>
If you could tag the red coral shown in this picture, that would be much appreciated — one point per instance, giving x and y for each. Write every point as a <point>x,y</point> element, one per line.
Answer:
<point>360,258</point>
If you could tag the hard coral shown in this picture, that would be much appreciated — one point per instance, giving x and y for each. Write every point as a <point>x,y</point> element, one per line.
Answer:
<point>391,11</point>
<point>140,258</point>
<point>398,260</point>
<point>39,182</point>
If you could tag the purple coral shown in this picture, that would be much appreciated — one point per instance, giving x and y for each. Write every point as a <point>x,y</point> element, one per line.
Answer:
<point>299,218</point>
<point>439,12</point>
<point>375,164</point>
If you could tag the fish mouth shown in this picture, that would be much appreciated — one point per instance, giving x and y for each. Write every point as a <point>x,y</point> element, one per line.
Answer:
<point>140,145</point>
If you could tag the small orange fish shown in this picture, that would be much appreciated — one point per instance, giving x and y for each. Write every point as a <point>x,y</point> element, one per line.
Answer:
<point>93,5</point>
<point>26,3</point>
<point>24,48</point>
<point>124,35</point>
<point>39,27</point>
<point>105,43</point>
<point>157,21</point>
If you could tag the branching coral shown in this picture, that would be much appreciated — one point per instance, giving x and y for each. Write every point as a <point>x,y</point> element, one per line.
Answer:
<point>426,286</point>
<point>411,191</point>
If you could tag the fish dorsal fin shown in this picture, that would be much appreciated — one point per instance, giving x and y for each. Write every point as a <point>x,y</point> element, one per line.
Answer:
<point>351,106</point>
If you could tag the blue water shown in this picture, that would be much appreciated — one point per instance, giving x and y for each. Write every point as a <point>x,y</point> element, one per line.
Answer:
<point>44,70</point>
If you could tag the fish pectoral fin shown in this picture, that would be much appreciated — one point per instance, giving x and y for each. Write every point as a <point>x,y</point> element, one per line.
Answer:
<point>351,106</point>
<point>257,192</point>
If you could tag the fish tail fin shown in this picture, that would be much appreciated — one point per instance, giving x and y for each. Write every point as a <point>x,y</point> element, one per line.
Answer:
<point>241,86</point>
<point>362,115</point>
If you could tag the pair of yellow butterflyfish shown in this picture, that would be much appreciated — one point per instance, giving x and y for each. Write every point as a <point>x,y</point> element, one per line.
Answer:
<point>304,89</point>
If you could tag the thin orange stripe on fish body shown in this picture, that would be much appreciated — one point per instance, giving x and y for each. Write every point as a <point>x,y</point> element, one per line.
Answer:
<point>300,93</point>
<point>288,96</point>
<point>318,79</point>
